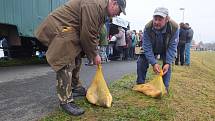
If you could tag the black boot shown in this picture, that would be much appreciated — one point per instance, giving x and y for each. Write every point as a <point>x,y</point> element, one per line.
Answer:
<point>79,92</point>
<point>72,109</point>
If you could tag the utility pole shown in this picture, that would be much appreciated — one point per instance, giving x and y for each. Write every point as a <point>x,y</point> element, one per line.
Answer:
<point>183,10</point>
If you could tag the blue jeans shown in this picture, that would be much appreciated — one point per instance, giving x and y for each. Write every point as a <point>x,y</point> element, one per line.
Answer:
<point>142,67</point>
<point>180,54</point>
<point>103,54</point>
<point>187,53</point>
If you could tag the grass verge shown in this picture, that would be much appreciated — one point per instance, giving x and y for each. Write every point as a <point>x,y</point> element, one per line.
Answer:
<point>127,105</point>
<point>21,61</point>
<point>192,97</point>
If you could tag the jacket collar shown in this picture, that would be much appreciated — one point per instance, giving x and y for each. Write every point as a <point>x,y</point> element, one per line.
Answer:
<point>103,4</point>
<point>163,30</point>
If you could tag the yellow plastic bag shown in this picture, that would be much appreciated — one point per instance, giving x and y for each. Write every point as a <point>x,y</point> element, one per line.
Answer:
<point>98,92</point>
<point>147,89</point>
<point>157,82</point>
<point>154,88</point>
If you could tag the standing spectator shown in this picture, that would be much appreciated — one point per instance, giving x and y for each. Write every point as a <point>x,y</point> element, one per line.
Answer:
<point>5,46</point>
<point>107,24</point>
<point>134,42</point>
<point>120,42</point>
<point>125,48</point>
<point>111,46</point>
<point>129,43</point>
<point>89,61</point>
<point>188,43</point>
<point>103,43</point>
<point>69,30</point>
<point>137,39</point>
<point>141,38</point>
<point>42,54</point>
<point>160,38</point>
<point>181,45</point>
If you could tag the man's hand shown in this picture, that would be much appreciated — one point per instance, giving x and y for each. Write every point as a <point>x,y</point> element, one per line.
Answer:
<point>156,68</point>
<point>97,60</point>
<point>165,68</point>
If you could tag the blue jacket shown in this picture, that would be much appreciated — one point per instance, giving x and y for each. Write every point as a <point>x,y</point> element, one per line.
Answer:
<point>182,36</point>
<point>170,51</point>
<point>189,35</point>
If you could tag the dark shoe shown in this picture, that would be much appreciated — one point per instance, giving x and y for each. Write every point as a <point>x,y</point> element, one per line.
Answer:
<point>167,90</point>
<point>79,92</point>
<point>72,109</point>
<point>140,83</point>
<point>89,64</point>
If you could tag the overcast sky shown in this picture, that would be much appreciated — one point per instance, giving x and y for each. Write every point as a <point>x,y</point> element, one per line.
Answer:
<point>200,14</point>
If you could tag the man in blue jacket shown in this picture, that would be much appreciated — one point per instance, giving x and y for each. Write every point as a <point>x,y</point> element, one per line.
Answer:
<point>189,39</point>
<point>160,38</point>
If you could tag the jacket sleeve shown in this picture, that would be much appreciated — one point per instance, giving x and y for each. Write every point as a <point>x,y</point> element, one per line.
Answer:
<point>119,35</point>
<point>190,34</point>
<point>171,51</point>
<point>89,29</point>
<point>147,48</point>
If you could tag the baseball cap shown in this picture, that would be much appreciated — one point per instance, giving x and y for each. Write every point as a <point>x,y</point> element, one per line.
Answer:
<point>161,11</point>
<point>122,5</point>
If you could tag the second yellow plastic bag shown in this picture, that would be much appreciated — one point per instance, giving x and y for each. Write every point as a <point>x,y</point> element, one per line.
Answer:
<point>147,89</point>
<point>98,92</point>
<point>154,88</point>
<point>157,82</point>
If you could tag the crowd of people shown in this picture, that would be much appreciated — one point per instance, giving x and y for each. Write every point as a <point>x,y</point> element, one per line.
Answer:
<point>184,45</point>
<point>118,46</point>
<point>122,44</point>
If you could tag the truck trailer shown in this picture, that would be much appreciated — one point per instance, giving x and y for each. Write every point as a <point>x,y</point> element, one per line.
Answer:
<point>18,21</point>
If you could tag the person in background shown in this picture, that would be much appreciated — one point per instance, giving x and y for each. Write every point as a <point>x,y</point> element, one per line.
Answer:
<point>129,43</point>
<point>141,38</point>
<point>181,45</point>
<point>41,54</point>
<point>5,46</point>
<point>160,38</point>
<point>111,45</point>
<point>188,43</point>
<point>103,43</point>
<point>89,61</point>
<point>137,39</point>
<point>134,42</point>
<point>120,42</point>
<point>69,31</point>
